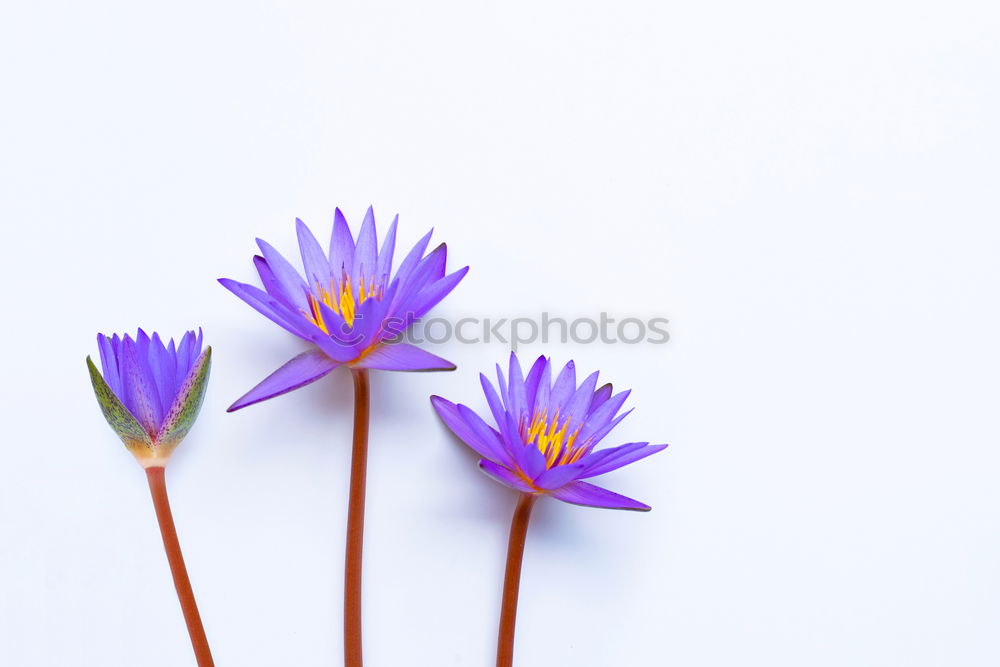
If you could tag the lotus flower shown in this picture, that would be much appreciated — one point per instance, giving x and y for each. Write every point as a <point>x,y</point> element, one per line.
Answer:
<point>546,434</point>
<point>149,392</point>
<point>347,303</point>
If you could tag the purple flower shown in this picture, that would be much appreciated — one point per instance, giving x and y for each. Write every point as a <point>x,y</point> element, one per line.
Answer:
<point>347,303</point>
<point>547,432</point>
<point>149,392</point>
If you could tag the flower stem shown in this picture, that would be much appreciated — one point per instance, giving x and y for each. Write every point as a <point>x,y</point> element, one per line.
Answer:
<point>158,489</point>
<point>356,523</point>
<point>512,579</point>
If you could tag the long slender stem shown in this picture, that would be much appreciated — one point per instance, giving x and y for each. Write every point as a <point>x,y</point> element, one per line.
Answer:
<point>158,489</point>
<point>512,579</point>
<point>356,523</point>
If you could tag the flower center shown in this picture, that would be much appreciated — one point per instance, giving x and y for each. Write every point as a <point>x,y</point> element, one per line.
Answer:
<point>555,440</point>
<point>341,298</point>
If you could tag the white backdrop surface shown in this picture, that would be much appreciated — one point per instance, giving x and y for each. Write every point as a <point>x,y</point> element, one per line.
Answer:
<point>806,190</point>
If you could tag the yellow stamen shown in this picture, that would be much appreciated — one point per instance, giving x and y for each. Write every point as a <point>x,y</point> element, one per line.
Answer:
<point>341,298</point>
<point>554,440</point>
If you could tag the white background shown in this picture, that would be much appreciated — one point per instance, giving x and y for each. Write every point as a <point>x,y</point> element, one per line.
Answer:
<point>807,191</point>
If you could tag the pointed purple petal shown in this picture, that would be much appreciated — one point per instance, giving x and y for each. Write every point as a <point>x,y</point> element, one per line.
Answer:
<point>341,247</point>
<point>504,476</point>
<point>531,461</point>
<point>540,401</point>
<point>502,387</point>
<point>298,372</point>
<point>291,282</point>
<point>109,365</point>
<point>584,493</point>
<point>266,305</point>
<point>315,263</point>
<point>600,417</point>
<point>365,252</point>
<point>600,396</point>
<point>531,381</point>
<point>496,407</point>
<point>470,429</point>
<point>383,266</point>
<point>563,388</point>
<point>430,269</point>
<point>596,436</point>
<point>620,456</point>
<point>402,357</point>
<point>553,478</point>
<point>577,406</point>
<point>163,373</point>
<point>433,294</point>
<point>139,390</point>
<point>412,258</point>
<point>518,400</point>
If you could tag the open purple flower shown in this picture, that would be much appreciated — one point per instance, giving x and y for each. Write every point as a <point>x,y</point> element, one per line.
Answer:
<point>547,432</point>
<point>151,392</point>
<point>347,303</point>
<point>544,444</point>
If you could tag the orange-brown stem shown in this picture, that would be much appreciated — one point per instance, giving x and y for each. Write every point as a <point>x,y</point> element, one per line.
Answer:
<point>158,489</point>
<point>356,523</point>
<point>512,579</point>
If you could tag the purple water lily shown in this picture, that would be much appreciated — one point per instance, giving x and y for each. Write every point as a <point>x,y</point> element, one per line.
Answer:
<point>547,432</point>
<point>151,392</point>
<point>544,445</point>
<point>347,303</point>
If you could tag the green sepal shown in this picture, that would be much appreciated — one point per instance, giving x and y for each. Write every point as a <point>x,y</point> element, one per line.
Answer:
<point>186,406</point>
<point>119,418</point>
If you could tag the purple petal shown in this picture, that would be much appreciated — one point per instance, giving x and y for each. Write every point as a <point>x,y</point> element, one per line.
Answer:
<point>600,417</point>
<point>368,320</point>
<point>563,388</point>
<point>600,396</point>
<point>502,386</point>
<point>139,392</point>
<point>540,401</point>
<point>271,284</point>
<point>607,460</point>
<point>553,478</point>
<point>518,400</point>
<point>504,476</point>
<point>184,358</point>
<point>315,263</point>
<point>594,438</point>
<point>286,275</point>
<point>430,269</point>
<point>109,365</point>
<point>163,372</point>
<point>266,305</point>
<point>584,493</point>
<point>412,258</point>
<point>342,342</point>
<point>470,429</point>
<point>341,247</point>
<point>364,253</point>
<point>531,381</point>
<point>298,372</point>
<point>383,266</point>
<point>578,405</point>
<point>531,461</point>
<point>402,357</point>
<point>432,295</point>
